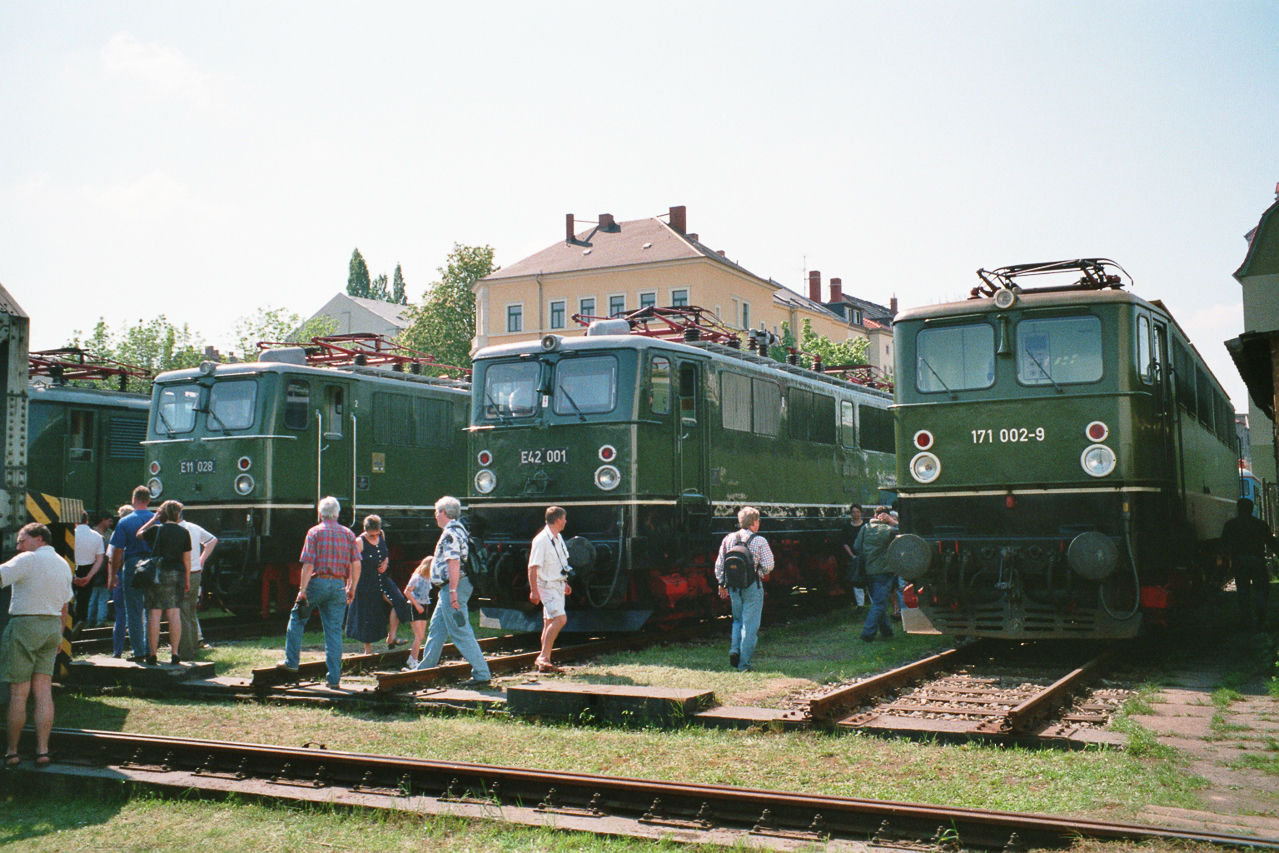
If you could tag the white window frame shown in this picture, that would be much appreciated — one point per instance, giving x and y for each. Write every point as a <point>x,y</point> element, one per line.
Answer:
<point>581,309</point>
<point>611,297</point>
<point>683,290</point>
<point>650,295</point>
<point>507,313</point>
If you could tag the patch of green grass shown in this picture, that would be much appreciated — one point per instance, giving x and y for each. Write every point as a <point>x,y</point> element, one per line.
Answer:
<point>1222,697</point>
<point>1266,763</point>
<point>1141,702</point>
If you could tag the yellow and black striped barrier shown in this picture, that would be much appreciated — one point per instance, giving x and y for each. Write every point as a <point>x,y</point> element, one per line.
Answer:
<point>60,515</point>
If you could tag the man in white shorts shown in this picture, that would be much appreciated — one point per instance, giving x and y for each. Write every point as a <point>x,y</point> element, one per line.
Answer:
<point>547,582</point>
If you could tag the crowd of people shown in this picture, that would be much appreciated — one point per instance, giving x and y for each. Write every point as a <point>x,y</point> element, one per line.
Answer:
<point>344,578</point>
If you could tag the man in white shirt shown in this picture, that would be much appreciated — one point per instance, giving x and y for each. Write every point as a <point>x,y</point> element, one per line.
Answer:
<point>41,582</point>
<point>90,554</point>
<point>202,544</point>
<point>548,582</point>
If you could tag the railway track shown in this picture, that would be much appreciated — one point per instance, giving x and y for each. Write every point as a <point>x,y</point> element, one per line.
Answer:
<point>599,804</point>
<point>96,640</point>
<point>964,693</point>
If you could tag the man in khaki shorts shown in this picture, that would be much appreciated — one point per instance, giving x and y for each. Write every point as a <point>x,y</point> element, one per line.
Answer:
<point>41,582</point>
<point>547,582</point>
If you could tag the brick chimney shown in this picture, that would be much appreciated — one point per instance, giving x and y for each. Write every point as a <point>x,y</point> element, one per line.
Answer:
<point>836,290</point>
<point>815,285</point>
<point>569,236</point>
<point>679,219</point>
<point>606,222</point>
<point>892,307</point>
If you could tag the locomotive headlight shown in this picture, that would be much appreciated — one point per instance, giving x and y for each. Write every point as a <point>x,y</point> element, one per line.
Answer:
<point>925,467</point>
<point>608,453</point>
<point>244,484</point>
<point>607,477</point>
<point>1097,460</point>
<point>484,457</point>
<point>923,439</point>
<point>155,468</point>
<point>156,487</point>
<point>485,481</point>
<point>244,463</point>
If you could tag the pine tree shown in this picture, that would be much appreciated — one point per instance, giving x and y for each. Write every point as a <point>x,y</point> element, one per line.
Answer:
<point>357,279</point>
<point>378,289</point>
<point>397,288</point>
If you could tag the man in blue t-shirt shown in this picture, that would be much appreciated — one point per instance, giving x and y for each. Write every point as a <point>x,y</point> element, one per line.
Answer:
<point>128,550</point>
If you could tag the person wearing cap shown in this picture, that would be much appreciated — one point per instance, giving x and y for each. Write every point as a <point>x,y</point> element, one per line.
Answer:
<point>872,548</point>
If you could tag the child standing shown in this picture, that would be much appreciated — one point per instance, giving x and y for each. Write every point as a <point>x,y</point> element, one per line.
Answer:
<point>418,592</point>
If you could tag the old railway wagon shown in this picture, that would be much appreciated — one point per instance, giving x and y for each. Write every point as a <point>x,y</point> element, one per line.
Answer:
<point>652,446</point>
<point>250,449</point>
<point>1066,460</point>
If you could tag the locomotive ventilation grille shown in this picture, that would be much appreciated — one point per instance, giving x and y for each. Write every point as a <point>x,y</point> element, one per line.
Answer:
<point>1022,621</point>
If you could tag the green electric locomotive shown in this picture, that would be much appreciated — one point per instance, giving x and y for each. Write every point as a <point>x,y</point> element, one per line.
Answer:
<point>652,446</point>
<point>249,449</point>
<point>1066,459</point>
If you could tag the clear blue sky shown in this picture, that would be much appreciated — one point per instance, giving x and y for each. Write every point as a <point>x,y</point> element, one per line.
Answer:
<point>206,160</point>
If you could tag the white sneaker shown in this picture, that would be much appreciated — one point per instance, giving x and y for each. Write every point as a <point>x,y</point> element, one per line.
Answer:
<point>412,665</point>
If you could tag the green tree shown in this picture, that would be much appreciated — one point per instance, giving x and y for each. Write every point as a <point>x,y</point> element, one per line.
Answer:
<point>280,326</point>
<point>379,289</point>
<point>444,324</point>
<point>813,344</point>
<point>357,278</point>
<point>397,287</point>
<point>155,345</point>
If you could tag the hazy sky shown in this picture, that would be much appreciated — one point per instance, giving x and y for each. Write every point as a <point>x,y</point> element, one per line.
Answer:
<point>207,160</point>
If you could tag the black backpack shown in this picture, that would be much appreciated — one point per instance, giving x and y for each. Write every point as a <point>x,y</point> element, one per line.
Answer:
<point>739,565</point>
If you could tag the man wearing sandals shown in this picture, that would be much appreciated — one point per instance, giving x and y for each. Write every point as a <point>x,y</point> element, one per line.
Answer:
<point>547,582</point>
<point>41,582</point>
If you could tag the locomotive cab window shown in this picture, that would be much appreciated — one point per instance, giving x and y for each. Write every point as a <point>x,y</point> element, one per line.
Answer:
<point>232,405</point>
<point>1145,364</point>
<point>586,386</point>
<point>510,389</point>
<point>1059,350</point>
<point>847,423</point>
<point>297,404</point>
<point>80,441</point>
<point>955,358</point>
<point>334,408</point>
<point>176,411</point>
<point>660,386</point>
<point>688,392</point>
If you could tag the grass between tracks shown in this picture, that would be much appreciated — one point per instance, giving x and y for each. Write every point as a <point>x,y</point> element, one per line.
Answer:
<point>791,660</point>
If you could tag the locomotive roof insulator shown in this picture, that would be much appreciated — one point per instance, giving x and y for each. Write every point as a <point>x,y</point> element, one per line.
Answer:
<point>361,349</point>
<point>1004,280</point>
<point>73,363</point>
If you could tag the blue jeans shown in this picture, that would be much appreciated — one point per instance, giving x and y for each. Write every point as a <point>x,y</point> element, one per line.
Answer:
<point>134,601</point>
<point>444,626</point>
<point>97,608</point>
<point>881,587</point>
<point>748,604</point>
<point>327,595</point>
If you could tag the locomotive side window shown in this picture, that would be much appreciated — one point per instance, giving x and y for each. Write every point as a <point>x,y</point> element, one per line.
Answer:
<point>767,405</point>
<point>659,379</point>
<point>811,416</point>
<point>1145,366</point>
<point>735,401</point>
<point>80,441</point>
<point>176,412</point>
<point>585,386</point>
<point>1185,373</point>
<point>232,405</point>
<point>1204,397</point>
<point>877,429</point>
<point>847,423</point>
<point>1059,350</point>
<point>510,389</point>
<point>955,358</point>
<point>297,404</point>
<point>688,392</point>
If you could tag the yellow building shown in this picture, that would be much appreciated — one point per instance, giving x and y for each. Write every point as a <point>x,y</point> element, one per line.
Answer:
<point>613,268</point>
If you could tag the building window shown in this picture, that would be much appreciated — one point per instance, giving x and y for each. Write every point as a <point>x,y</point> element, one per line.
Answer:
<point>616,306</point>
<point>515,318</point>
<point>648,300</point>
<point>679,298</point>
<point>586,306</point>
<point>746,315</point>
<point>557,314</point>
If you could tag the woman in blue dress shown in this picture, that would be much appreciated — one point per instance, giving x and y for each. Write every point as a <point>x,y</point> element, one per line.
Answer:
<point>366,618</point>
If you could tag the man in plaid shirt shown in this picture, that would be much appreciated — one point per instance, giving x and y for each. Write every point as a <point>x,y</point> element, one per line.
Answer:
<point>330,571</point>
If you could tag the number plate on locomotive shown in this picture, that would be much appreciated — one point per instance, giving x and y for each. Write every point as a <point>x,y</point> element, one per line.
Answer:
<point>196,466</point>
<point>546,456</point>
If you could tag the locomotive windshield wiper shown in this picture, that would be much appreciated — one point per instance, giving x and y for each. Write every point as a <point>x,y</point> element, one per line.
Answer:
<point>214,414</point>
<point>159,410</point>
<point>573,403</point>
<point>940,381</point>
<point>497,407</point>
<point>1044,371</point>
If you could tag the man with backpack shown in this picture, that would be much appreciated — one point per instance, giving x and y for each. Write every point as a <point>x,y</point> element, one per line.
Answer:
<point>744,561</point>
<point>872,548</point>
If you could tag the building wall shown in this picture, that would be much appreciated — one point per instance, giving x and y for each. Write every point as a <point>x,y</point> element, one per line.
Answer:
<point>1261,314</point>
<point>738,299</point>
